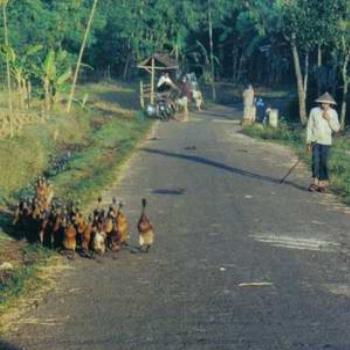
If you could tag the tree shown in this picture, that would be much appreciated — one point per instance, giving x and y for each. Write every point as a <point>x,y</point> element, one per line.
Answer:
<point>300,23</point>
<point>342,45</point>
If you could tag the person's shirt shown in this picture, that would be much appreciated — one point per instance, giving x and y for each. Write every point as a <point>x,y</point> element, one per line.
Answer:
<point>260,103</point>
<point>185,90</point>
<point>319,130</point>
<point>165,80</point>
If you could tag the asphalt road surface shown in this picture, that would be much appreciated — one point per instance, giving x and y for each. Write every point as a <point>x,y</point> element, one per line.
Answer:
<point>240,261</point>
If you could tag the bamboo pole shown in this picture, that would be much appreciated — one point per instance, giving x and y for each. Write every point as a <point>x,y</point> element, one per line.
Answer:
<point>142,97</point>
<point>82,48</point>
<point>152,81</point>
<point>4,5</point>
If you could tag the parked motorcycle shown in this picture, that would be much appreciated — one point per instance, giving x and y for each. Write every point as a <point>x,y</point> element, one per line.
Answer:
<point>163,109</point>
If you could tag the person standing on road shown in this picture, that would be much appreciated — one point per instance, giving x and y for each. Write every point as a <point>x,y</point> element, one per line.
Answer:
<point>260,110</point>
<point>249,105</point>
<point>323,121</point>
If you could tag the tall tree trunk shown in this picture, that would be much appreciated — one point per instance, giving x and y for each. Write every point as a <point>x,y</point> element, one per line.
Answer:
<point>47,94</point>
<point>334,79</point>
<point>219,72</point>
<point>82,48</point>
<point>234,62</point>
<point>306,74</point>
<point>299,78</point>
<point>211,45</point>
<point>22,94</point>
<point>319,65</point>
<point>28,92</point>
<point>127,65</point>
<point>10,105</point>
<point>346,81</point>
<point>240,67</point>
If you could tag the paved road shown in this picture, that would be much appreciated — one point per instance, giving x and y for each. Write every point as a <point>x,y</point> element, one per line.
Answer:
<point>221,220</point>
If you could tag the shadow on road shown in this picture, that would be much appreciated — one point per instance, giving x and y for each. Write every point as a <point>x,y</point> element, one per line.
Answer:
<point>6,346</point>
<point>169,191</point>
<point>222,115</point>
<point>222,166</point>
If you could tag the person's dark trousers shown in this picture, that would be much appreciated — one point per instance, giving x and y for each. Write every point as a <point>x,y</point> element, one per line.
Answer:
<point>260,114</point>
<point>320,155</point>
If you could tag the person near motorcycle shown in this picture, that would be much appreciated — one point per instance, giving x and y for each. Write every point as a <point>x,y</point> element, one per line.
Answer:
<point>165,99</point>
<point>185,89</point>
<point>185,97</point>
<point>165,83</point>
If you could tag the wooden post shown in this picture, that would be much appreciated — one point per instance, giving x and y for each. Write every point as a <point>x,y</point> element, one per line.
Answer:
<point>142,97</point>
<point>152,81</point>
<point>211,45</point>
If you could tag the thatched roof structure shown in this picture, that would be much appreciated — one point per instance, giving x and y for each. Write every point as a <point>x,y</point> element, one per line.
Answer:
<point>162,61</point>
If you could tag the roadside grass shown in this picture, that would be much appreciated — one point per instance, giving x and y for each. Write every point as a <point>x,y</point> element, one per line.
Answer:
<point>34,273</point>
<point>339,163</point>
<point>93,169</point>
<point>26,261</point>
<point>98,137</point>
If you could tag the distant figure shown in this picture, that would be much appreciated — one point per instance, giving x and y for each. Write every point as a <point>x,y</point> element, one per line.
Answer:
<point>198,99</point>
<point>185,98</point>
<point>260,110</point>
<point>266,119</point>
<point>249,105</point>
<point>185,89</point>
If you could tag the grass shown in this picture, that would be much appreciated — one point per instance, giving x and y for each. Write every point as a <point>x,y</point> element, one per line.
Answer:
<point>339,162</point>
<point>94,168</point>
<point>25,261</point>
<point>99,136</point>
<point>34,274</point>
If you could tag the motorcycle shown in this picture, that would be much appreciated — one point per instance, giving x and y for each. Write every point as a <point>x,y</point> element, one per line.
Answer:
<point>163,109</point>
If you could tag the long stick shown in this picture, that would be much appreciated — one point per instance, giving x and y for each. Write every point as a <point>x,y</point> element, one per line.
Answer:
<point>293,167</point>
<point>82,48</point>
<point>290,171</point>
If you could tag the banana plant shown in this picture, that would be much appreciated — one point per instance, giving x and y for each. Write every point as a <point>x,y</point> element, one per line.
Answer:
<point>54,73</point>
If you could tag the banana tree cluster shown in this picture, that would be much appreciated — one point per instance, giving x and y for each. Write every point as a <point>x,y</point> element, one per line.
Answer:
<point>54,72</point>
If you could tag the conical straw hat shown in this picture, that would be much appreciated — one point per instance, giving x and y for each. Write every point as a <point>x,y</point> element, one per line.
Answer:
<point>326,98</point>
